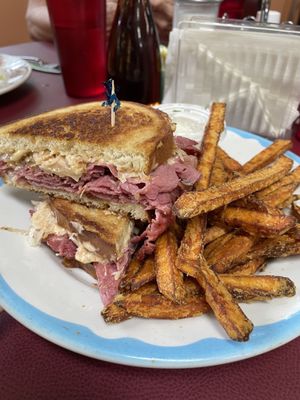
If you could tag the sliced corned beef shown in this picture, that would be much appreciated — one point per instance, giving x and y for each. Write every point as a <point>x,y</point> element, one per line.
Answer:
<point>62,245</point>
<point>108,274</point>
<point>188,145</point>
<point>3,166</point>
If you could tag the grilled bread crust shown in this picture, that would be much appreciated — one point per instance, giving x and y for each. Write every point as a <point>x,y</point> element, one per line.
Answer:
<point>141,139</point>
<point>107,232</point>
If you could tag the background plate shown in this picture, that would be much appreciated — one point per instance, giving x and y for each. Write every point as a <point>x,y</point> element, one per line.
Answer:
<point>63,305</point>
<point>13,72</point>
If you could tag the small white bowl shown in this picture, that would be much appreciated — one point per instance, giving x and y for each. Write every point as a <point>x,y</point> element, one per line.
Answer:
<point>190,119</point>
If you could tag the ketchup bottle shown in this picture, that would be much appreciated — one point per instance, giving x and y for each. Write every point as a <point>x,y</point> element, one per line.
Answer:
<point>133,53</point>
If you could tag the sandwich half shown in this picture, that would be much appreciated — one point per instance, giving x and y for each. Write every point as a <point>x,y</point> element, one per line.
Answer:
<point>75,153</point>
<point>95,240</point>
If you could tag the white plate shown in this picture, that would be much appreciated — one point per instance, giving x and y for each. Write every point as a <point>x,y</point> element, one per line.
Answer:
<point>63,306</point>
<point>13,72</point>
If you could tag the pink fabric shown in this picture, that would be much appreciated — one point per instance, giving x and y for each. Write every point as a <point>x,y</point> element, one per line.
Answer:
<point>34,368</point>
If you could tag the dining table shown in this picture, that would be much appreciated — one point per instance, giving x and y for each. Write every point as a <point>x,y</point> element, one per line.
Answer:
<point>32,367</point>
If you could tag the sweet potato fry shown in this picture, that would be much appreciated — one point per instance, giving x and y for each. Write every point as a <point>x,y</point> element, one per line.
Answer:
<point>266,156</point>
<point>287,203</point>
<point>281,246</point>
<point>257,222</point>
<point>251,202</point>
<point>261,287</point>
<point>190,204</point>
<point>249,268</point>
<point>192,243</point>
<point>230,253</point>
<point>218,174</point>
<point>292,177</point>
<point>145,274</point>
<point>214,232</point>
<point>193,239</point>
<point>169,279</point>
<point>217,244</point>
<point>226,310</point>
<point>155,305</point>
<point>134,266</point>
<point>192,287</point>
<point>114,314</point>
<point>213,130</point>
<point>281,197</point>
<point>231,165</point>
<point>296,210</point>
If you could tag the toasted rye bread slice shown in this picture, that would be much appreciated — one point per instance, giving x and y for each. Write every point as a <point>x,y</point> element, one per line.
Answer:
<point>141,139</point>
<point>108,232</point>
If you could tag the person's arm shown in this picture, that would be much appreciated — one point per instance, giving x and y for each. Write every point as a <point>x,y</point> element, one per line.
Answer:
<point>39,27</point>
<point>163,17</point>
<point>38,22</point>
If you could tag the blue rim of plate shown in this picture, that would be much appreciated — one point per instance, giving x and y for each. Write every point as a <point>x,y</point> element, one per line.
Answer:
<point>133,352</point>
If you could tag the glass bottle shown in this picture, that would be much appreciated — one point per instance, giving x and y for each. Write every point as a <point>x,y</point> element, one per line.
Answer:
<point>295,128</point>
<point>133,53</point>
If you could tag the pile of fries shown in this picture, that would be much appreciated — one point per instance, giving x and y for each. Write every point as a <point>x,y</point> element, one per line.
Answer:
<point>235,220</point>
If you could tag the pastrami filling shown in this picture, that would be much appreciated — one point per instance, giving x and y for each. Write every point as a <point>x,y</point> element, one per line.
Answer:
<point>108,274</point>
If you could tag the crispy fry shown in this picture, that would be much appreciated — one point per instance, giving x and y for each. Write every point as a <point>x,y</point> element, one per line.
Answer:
<point>155,305</point>
<point>214,232</point>
<point>192,287</point>
<point>213,130</point>
<point>230,253</point>
<point>218,174</point>
<point>249,268</point>
<point>281,246</point>
<point>226,310</point>
<point>193,240</point>
<point>287,203</point>
<point>280,197</point>
<point>132,269</point>
<point>169,279</point>
<point>191,204</point>
<point>188,267</point>
<point>145,275</point>
<point>251,202</point>
<point>257,222</point>
<point>114,314</point>
<point>217,244</point>
<point>192,243</point>
<point>254,288</point>
<point>229,163</point>
<point>266,156</point>
<point>296,210</point>
<point>292,177</point>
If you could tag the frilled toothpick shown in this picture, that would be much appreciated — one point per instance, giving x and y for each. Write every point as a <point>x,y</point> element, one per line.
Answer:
<point>112,100</point>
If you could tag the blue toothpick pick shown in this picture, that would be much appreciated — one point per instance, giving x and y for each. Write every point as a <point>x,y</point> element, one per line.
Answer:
<point>112,100</point>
